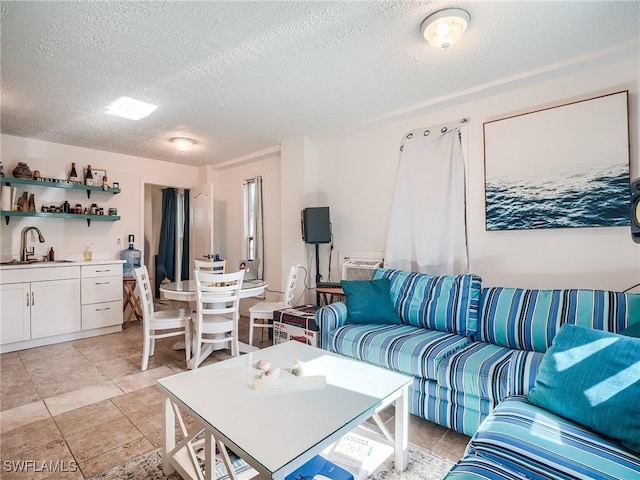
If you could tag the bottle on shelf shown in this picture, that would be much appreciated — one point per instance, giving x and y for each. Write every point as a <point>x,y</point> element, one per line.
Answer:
<point>52,255</point>
<point>88,178</point>
<point>73,175</point>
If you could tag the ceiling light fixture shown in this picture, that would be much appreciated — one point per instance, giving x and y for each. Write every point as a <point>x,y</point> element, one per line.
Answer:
<point>183,144</point>
<point>445,27</point>
<point>130,108</point>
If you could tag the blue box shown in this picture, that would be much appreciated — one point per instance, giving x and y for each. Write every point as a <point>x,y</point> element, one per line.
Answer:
<point>320,466</point>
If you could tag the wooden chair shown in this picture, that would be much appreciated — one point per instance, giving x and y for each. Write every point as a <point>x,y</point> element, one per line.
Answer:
<point>263,311</point>
<point>213,267</point>
<point>218,302</point>
<point>178,322</point>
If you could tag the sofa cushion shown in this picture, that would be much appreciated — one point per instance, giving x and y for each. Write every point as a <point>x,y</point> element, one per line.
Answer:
<point>403,348</point>
<point>529,319</point>
<point>523,368</point>
<point>369,301</point>
<point>593,378</point>
<point>447,303</point>
<point>478,369</point>
<point>539,444</point>
<point>479,468</point>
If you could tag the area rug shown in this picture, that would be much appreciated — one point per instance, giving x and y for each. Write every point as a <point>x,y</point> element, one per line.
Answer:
<point>422,466</point>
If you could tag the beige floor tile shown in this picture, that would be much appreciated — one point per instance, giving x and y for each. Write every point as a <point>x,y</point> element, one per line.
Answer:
<point>451,446</point>
<point>425,433</point>
<point>27,437</point>
<point>119,366</point>
<point>102,438</point>
<point>82,397</point>
<point>139,400</point>
<point>59,354</point>
<point>147,420</point>
<point>22,415</point>
<point>16,394</point>
<point>87,417</point>
<point>140,380</point>
<point>52,381</point>
<point>117,456</point>
<point>51,460</point>
<point>155,438</point>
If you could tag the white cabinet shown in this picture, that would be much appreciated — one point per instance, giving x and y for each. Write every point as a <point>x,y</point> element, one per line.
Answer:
<point>15,312</point>
<point>55,307</point>
<point>39,303</point>
<point>101,296</point>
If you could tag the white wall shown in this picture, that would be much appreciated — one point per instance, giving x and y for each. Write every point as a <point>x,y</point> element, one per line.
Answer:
<point>358,165</point>
<point>68,237</point>
<point>228,194</point>
<point>352,171</point>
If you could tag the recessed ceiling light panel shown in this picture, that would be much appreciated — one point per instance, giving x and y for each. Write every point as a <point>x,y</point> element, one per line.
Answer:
<point>130,108</point>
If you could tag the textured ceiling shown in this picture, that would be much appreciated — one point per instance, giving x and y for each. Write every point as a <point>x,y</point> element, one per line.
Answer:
<point>239,77</point>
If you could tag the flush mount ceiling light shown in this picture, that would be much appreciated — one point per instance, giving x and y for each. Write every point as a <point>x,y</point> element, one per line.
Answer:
<point>445,27</point>
<point>183,144</point>
<point>130,108</point>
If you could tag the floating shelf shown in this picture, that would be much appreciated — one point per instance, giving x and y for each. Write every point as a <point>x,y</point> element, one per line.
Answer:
<point>75,216</point>
<point>58,184</point>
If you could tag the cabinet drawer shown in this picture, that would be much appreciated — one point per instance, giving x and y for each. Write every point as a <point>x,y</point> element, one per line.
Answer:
<point>39,274</point>
<point>101,289</point>
<point>101,315</point>
<point>102,270</point>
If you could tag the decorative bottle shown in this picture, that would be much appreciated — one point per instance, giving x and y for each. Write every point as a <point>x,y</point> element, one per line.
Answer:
<point>88,178</point>
<point>73,175</point>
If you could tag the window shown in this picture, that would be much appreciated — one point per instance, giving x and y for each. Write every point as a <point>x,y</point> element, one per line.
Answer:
<point>250,218</point>
<point>253,222</point>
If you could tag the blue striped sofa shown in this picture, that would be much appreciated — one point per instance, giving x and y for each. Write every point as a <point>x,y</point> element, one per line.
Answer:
<point>520,441</point>
<point>467,347</point>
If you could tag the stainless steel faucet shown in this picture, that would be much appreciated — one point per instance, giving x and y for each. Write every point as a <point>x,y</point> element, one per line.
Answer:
<point>24,252</point>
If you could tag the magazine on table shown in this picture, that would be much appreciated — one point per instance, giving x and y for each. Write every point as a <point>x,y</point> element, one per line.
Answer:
<point>352,450</point>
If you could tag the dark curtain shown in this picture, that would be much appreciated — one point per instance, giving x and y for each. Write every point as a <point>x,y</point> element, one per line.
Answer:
<point>185,239</point>
<point>167,246</point>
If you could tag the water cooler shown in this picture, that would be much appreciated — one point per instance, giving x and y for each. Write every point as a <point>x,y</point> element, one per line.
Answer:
<point>132,257</point>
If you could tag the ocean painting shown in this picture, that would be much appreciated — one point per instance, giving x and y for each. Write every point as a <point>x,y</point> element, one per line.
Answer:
<point>561,167</point>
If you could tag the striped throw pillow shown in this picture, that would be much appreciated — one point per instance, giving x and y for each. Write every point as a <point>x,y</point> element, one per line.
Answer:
<point>447,303</point>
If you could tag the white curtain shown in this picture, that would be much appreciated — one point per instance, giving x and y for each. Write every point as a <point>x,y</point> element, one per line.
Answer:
<point>427,226</point>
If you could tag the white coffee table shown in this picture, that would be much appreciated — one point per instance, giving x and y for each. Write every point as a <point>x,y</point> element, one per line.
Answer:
<point>277,431</point>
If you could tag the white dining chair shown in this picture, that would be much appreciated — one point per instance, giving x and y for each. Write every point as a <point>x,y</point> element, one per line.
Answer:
<point>218,266</point>
<point>160,324</point>
<point>218,312</point>
<point>263,311</point>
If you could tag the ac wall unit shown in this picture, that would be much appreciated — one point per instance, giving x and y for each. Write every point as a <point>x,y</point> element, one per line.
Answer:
<point>359,269</point>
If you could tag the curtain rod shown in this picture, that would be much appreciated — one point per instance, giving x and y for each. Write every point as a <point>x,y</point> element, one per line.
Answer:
<point>444,128</point>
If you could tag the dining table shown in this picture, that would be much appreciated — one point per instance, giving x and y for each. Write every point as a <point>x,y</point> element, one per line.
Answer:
<point>185,291</point>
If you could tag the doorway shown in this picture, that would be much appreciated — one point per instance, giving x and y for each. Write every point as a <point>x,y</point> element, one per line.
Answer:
<point>152,225</point>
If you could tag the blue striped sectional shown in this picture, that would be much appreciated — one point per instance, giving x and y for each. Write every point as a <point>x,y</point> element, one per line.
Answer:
<point>519,440</point>
<point>469,348</point>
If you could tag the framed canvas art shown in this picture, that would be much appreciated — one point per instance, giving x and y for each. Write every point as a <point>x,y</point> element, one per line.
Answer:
<point>564,166</point>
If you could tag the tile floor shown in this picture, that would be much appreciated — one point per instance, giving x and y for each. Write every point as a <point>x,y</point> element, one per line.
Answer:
<point>87,403</point>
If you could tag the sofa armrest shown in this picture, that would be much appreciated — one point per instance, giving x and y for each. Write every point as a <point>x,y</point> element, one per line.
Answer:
<point>329,318</point>
<point>523,368</point>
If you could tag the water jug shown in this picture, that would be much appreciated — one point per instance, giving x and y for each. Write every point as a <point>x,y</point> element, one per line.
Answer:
<point>132,257</point>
